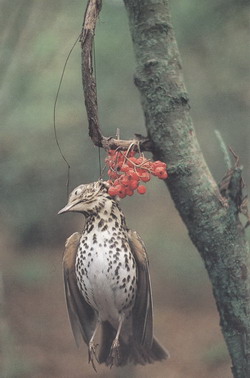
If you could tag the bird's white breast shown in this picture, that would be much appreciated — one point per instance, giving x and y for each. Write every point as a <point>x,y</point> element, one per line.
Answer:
<point>106,273</point>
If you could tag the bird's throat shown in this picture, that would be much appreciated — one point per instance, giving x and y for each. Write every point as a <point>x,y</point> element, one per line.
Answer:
<point>108,217</point>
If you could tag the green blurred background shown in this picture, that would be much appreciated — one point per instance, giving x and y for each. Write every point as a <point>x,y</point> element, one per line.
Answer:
<point>36,36</point>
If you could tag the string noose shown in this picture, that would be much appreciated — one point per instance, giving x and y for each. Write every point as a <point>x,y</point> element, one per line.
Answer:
<point>54,115</point>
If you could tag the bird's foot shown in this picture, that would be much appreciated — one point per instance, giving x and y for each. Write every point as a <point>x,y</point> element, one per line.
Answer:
<point>114,355</point>
<point>92,354</point>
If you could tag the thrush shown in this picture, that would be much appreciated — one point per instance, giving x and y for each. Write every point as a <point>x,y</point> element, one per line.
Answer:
<point>107,282</point>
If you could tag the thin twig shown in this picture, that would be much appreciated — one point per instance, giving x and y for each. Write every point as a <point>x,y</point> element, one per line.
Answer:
<point>89,86</point>
<point>223,149</point>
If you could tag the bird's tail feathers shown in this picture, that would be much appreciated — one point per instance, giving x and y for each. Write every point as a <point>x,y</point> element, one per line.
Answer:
<point>131,352</point>
<point>142,355</point>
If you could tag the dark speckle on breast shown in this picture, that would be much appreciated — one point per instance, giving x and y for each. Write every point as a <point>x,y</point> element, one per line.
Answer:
<point>100,223</point>
<point>105,227</point>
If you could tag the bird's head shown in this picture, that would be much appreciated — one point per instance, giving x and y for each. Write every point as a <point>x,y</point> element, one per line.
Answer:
<point>87,198</point>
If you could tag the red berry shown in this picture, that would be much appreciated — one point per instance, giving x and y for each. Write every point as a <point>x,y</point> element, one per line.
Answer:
<point>164,175</point>
<point>141,189</point>
<point>112,191</point>
<point>124,168</point>
<point>140,171</point>
<point>159,171</point>
<point>121,191</point>
<point>119,187</point>
<point>125,181</point>
<point>145,177</point>
<point>129,191</point>
<point>132,175</point>
<point>133,184</point>
<point>122,195</point>
<point>159,163</point>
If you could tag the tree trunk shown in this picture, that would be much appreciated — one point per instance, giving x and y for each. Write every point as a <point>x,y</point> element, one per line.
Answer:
<point>212,219</point>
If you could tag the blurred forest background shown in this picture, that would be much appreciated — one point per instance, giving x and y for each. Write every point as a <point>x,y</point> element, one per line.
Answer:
<point>36,36</point>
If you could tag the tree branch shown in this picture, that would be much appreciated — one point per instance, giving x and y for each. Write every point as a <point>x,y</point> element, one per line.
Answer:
<point>89,83</point>
<point>89,87</point>
<point>212,219</point>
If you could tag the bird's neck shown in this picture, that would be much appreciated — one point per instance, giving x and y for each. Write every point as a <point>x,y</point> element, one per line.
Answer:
<point>106,216</point>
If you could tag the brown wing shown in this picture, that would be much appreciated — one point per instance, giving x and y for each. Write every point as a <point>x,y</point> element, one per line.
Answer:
<point>142,310</point>
<point>82,316</point>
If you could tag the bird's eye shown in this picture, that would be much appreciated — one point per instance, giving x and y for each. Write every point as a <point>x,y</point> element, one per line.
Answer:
<point>77,192</point>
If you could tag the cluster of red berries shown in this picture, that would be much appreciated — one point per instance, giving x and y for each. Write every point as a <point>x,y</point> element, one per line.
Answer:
<point>126,171</point>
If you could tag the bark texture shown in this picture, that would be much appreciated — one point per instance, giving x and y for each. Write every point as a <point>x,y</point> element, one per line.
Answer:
<point>211,215</point>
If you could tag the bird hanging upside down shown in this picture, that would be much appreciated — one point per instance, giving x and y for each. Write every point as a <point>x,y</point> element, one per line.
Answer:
<point>107,282</point>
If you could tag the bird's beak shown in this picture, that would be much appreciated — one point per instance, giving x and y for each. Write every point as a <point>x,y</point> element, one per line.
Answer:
<point>71,206</point>
<point>65,208</point>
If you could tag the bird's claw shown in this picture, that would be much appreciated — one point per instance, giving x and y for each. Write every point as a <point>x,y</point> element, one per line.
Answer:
<point>114,355</point>
<point>92,354</point>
